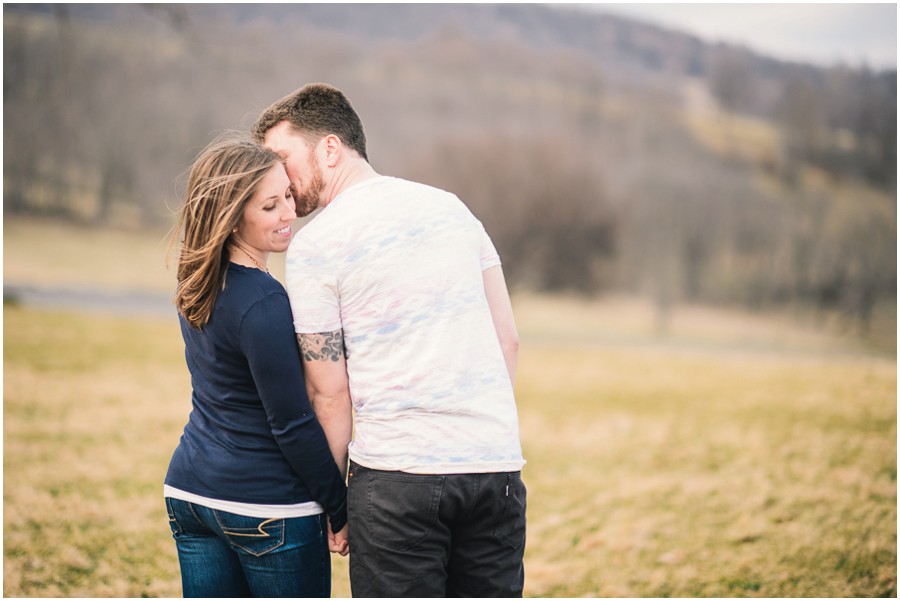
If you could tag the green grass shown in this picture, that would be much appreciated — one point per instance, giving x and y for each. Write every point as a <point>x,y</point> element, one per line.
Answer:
<point>702,466</point>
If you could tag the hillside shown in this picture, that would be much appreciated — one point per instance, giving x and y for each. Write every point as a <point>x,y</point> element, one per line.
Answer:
<point>601,153</point>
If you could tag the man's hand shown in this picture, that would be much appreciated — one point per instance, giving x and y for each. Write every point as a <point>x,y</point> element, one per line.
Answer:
<point>338,543</point>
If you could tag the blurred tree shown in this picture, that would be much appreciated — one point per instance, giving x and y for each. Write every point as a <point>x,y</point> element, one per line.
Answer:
<point>567,143</point>
<point>542,202</point>
<point>732,79</point>
<point>801,119</point>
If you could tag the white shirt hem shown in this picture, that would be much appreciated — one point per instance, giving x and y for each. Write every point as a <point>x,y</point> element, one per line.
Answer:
<point>253,510</point>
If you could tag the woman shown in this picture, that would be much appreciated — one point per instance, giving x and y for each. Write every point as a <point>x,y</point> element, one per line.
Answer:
<point>252,479</point>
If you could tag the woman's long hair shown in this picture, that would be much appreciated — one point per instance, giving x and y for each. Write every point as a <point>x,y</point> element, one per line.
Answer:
<point>221,182</point>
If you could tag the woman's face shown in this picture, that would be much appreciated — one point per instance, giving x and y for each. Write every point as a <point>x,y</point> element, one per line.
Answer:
<point>266,225</point>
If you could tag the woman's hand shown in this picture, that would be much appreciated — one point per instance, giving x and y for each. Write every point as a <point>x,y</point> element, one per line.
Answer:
<point>337,542</point>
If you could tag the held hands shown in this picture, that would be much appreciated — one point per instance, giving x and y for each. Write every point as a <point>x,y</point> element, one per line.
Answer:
<point>337,542</point>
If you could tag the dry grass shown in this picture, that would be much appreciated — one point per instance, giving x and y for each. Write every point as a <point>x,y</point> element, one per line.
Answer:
<point>47,253</point>
<point>657,473</point>
<point>676,469</point>
<point>92,408</point>
<point>739,456</point>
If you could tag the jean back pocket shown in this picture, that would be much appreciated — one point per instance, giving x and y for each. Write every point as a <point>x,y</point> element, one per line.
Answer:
<point>255,536</point>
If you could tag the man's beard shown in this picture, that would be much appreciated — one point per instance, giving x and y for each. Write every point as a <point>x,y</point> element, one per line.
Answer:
<point>307,200</point>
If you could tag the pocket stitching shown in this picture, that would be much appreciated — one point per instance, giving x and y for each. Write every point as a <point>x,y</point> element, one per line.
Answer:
<point>173,522</point>
<point>233,532</point>
<point>261,534</point>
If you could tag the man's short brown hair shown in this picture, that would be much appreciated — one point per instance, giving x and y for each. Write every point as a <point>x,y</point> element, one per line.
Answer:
<point>314,111</point>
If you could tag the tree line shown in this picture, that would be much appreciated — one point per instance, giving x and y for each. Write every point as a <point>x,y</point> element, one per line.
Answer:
<point>587,182</point>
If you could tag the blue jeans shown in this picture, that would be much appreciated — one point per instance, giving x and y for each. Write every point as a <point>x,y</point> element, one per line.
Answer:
<point>227,555</point>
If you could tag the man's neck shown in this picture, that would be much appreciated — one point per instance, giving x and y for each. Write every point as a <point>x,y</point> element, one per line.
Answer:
<point>346,175</point>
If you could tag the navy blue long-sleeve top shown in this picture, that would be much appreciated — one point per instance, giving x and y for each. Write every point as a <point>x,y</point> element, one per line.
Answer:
<point>252,436</point>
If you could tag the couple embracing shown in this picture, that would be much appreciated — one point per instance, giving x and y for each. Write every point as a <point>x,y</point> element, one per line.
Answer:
<point>365,408</point>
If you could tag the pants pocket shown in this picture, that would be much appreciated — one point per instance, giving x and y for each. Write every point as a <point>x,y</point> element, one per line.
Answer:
<point>255,536</point>
<point>401,509</point>
<point>173,521</point>
<point>510,527</point>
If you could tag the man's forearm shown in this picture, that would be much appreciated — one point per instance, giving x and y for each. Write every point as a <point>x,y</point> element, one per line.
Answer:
<point>502,315</point>
<point>328,387</point>
<point>336,418</point>
<point>511,357</point>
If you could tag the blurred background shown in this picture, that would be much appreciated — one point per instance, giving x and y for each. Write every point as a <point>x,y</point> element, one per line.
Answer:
<point>649,187</point>
<point>602,153</point>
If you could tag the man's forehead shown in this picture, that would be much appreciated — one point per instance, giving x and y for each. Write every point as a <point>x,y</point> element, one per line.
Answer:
<point>279,136</point>
<point>274,137</point>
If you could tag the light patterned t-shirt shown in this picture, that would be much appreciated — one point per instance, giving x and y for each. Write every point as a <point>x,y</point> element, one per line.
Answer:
<point>398,267</point>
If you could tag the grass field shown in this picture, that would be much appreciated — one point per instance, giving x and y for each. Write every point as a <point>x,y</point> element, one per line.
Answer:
<point>740,456</point>
<point>653,470</point>
<point>49,253</point>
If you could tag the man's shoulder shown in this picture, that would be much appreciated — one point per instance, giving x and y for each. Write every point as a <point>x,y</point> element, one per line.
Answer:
<point>414,187</point>
<point>363,213</point>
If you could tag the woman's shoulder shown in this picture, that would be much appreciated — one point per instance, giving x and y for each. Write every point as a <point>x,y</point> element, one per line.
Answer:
<point>246,286</point>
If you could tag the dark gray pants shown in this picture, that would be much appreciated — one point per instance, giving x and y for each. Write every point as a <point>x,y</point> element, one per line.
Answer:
<point>458,535</point>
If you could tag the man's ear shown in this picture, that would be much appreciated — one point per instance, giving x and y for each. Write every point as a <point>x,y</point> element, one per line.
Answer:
<point>332,148</point>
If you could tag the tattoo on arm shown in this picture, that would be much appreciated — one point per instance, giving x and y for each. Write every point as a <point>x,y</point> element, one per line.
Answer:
<point>324,346</point>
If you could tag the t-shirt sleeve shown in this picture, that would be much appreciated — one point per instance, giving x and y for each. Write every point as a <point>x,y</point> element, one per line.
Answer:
<point>312,286</point>
<point>487,252</point>
<point>489,256</point>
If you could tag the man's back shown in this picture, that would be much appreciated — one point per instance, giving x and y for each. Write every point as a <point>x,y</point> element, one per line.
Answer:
<point>398,267</point>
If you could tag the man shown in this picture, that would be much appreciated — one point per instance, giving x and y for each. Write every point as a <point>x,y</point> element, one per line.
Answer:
<point>403,315</point>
